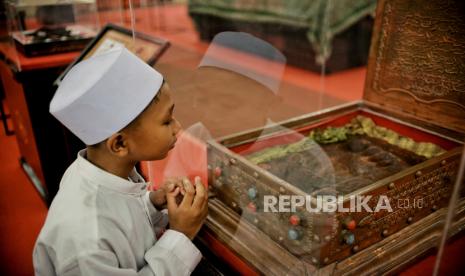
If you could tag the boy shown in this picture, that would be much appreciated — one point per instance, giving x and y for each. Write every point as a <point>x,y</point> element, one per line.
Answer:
<point>102,221</point>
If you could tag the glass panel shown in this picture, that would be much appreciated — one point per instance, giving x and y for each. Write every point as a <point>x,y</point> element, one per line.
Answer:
<point>7,44</point>
<point>249,66</point>
<point>111,11</point>
<point>47,27</point>
<point>451,241</point>
<point>269,86</point>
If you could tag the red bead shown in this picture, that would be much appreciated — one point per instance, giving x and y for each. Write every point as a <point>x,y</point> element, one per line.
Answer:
<point>252,207</point>
<point>217,171</point>
<point>351,225</point>
<point>294,220</point>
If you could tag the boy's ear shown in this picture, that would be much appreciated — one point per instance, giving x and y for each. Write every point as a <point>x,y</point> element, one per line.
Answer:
<point>117,144</point>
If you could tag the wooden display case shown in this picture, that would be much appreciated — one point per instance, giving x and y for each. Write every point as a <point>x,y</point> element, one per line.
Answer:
<point>415,87</point>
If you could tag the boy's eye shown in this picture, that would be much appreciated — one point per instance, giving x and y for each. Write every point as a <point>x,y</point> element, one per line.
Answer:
<point>168,122</point>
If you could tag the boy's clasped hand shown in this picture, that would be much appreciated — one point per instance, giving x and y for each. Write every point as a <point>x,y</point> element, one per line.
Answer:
<point>187,204</point>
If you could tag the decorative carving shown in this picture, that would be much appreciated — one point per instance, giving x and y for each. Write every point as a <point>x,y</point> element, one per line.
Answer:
<point>424,60</point>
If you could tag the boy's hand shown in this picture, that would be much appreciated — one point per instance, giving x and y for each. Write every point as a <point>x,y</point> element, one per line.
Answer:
<point>158,197</point>
<point>188,216</point>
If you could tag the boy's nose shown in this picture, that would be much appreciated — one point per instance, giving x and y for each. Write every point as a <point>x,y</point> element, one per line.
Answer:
<point>177,126</point>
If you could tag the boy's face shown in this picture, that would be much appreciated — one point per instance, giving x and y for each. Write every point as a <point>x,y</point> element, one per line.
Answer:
<point>154,134</point>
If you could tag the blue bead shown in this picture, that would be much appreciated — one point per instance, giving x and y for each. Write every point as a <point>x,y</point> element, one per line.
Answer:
<point>293,234</point>
<point>349,238</point>
<point>252,193</point>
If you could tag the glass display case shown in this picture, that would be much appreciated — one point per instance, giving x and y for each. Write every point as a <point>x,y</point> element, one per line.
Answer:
<point>289,104</point>
<point>356,188</point>
<point>50,26</point>
<point>42,38</point>
<point>274,138</point>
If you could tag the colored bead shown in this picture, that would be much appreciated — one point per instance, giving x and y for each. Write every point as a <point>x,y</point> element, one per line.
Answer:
<point>349,238</point>
<point>350,224</point>
<point>252,193</point>
<point>294,220</point>
<point>217,171</point>
<point>293,234</point>
<point>252,207</point>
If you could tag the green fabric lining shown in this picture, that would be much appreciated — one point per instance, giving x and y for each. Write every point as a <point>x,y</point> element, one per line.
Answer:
<point>358,126</point>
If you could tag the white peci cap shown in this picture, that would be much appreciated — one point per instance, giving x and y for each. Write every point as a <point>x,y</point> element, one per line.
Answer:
<point>103,94</point>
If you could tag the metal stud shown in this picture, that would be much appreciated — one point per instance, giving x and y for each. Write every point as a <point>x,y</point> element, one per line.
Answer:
<point>316,238</point>
<point>255,221</point>
<point>409,220</point>
<point>326,260</point>
<point>233,161</point>
<point>355,248</point>
<point>418,173</point>
<point>443,162</point>
<point>256,175</point>
<point>391,186</point>
<point>434,208</point>
<point>234,204</point>
<point>282,190</point>
<point>314,261</point>
<point>218,183</point>
<point>327,238</point>
<point>385,233</point>
<point>280,238</point>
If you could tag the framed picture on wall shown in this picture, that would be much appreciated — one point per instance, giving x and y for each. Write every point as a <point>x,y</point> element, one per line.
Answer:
<point>148,48</point>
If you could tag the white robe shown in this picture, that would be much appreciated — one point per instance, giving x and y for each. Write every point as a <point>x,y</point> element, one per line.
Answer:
<point>101,224</point>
